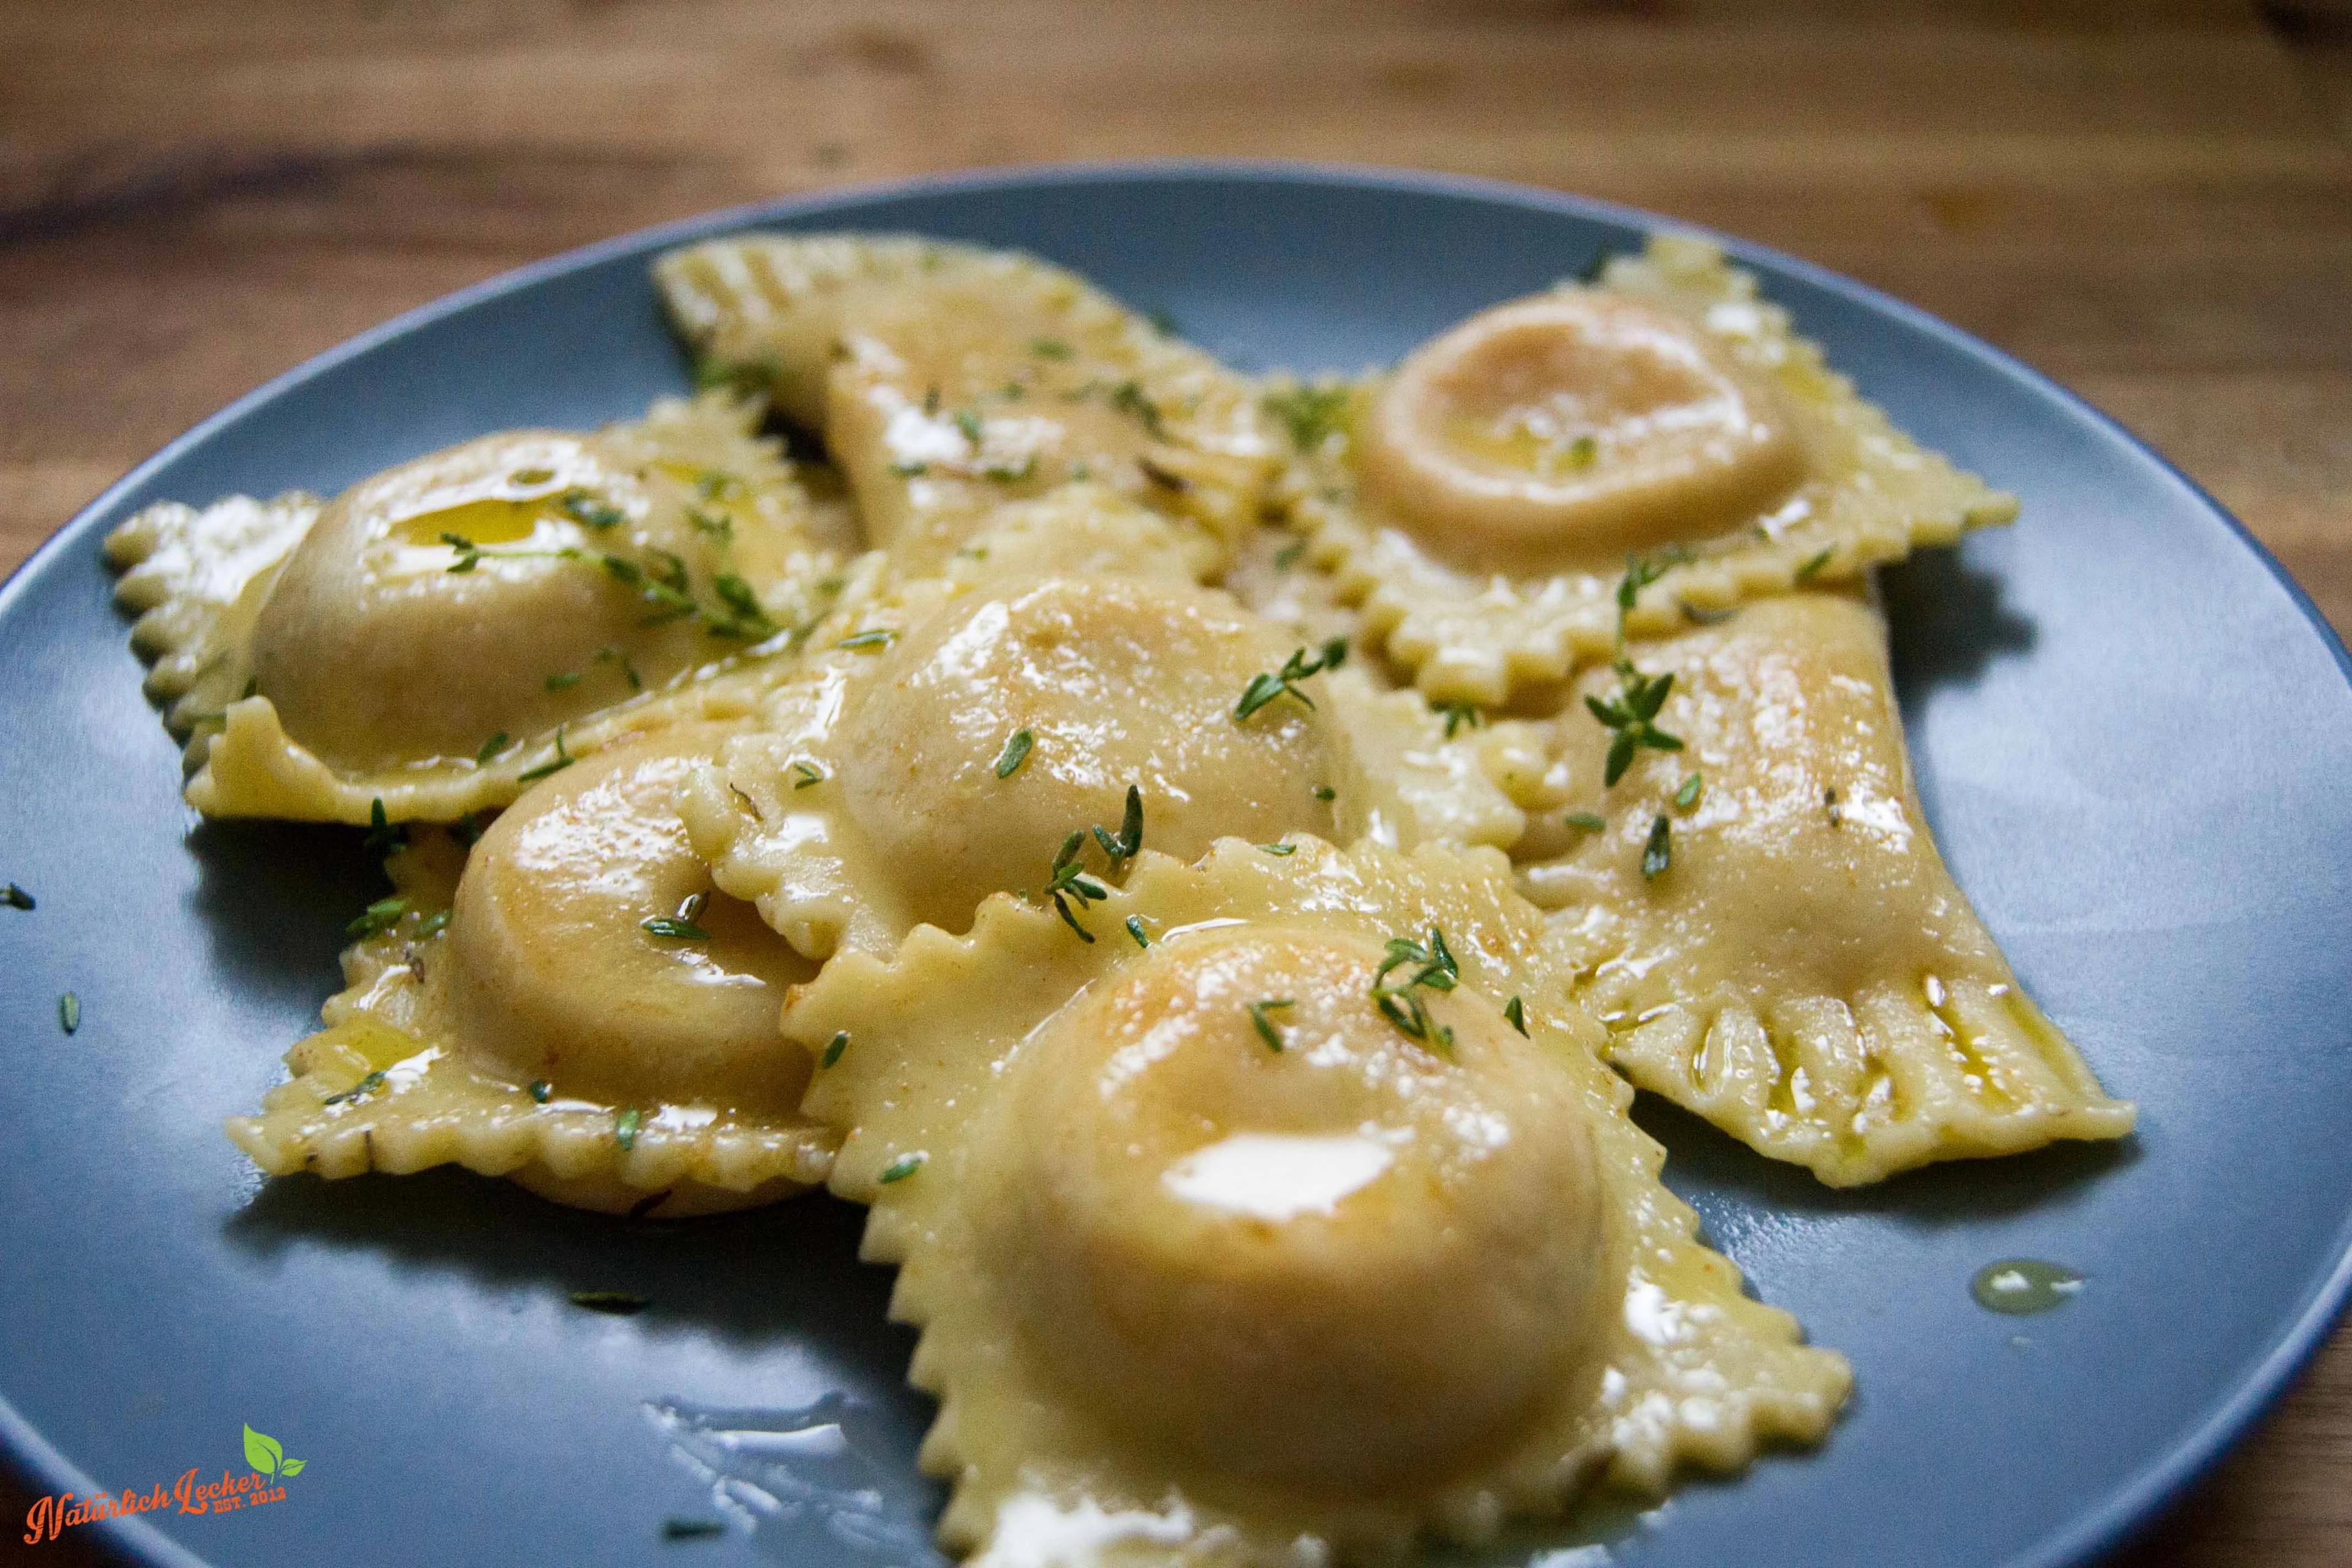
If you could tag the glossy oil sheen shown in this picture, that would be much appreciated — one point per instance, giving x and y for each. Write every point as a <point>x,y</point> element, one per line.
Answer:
<point>2131,736</point>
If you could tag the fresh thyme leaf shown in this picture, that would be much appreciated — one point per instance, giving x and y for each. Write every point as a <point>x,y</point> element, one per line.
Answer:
<point>968,423</point>
<point>1584,452</point>
<point>385,838</point>
<point>1309,413</point>
<point>1049,348</point>
<point>1632,713</point>
<point>379,917</point>
<point>492,747</point>
<point>1166,478</point>
<point>1266,687</point>
<point>1458,714</point>
<point>466,830</point>
<point>469,554</point>
<point>619,1303</point>
<point>1590,821</point>
<point>561,760</point>
<point>589,511</point>
<point>1265,1026</point>
<point>611,654</point>
<point>675,928</point>
<point>737,596</point>
<point>69,1012</point>
<point>1659,852</point>
<point>1279,848</point>
<point>564,681</point>
<point>16,898</point>
<point>904,1166</point>
<point>810,774</point>
<point>626,1127</point>
<point>1812,565</point>
<point>1011,473</point>
<point>878,636</point>
<point>1433,970</point>
<point>833,1051</point>
<point>359,1090</point>
<point>914,470</point>
<point>1135,929</point>
<point>1287,556</point>
<point>1514,1013</point>
<point>541,1089</point>
<point>433,924</point>
<point>1016,752</point>
<point>1687,796</point>
<point>1068,882</point>
<point>1325,792</point>
<point>691,1529</point>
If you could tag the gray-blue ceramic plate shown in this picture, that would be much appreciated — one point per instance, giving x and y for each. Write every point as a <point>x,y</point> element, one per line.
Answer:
<point>2133,735</point>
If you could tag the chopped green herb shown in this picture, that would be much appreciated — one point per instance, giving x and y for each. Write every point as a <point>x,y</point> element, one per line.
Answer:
<point>1584,452</point>
<point>1069,882</point>
<point>1659,852</point>
<point>16,898</point>
<point>466,830</point>
<point>968,423</point>
<point>675,928</point>
<point>1287,556</point>
<point>1458,714</point>
<point>878,636</point>
<point>1012,473</point>
<point>1166,478</point>
<point>626,1127</point>
<point>628,671</point>
<point>904,1166</point>
<point>1640,570</point>
<point>541,1089</point>
<point>69,1012</point>
<point>563,682</point>
<point>691,1529</point>
<point>1687,796</point>
<point>1325,792</point>
<point>1263,1024</point>
<point>1016,752</point>
<point>469,554</point>
<point>1279,848</point>
<point>1514,1013</point>
<point>492,747</point>
<point>839,1044</point>
<point>1433,970</point>
<point>385,838</point>
<point>585,508</point>
<point>359,1090</point>
<point>1049,348</point>
<point>1123,848</point>
<point>914,470</point>
<point>1135,929</point>
<point>1129,398</point>
<point>1268,688</point>
<point>1813,566</point>
<point>1309,413</point>
<point>561,761</point>
<point>620,1303</point>
<point>433,924</point>
<point>379,917</point>
<point>1590,821</point>
<point>810,776</point>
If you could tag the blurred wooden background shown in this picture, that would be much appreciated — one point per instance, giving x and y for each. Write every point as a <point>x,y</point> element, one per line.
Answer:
<point>2151,201</point>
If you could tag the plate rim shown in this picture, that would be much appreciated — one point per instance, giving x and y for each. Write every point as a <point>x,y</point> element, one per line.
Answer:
<point>2136,1506</point>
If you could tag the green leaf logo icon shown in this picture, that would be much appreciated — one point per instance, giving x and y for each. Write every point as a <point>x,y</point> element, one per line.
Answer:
<point>262,1452</point>
<point>293,1467</point>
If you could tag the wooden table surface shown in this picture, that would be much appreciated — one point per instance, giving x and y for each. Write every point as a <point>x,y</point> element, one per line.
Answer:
<point>2152,203</point>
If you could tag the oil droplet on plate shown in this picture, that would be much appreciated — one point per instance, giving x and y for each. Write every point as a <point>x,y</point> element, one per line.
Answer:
<point>2018,1286</point>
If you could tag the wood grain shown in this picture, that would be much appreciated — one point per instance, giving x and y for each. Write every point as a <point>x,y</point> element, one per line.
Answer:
<point>2153,203</point>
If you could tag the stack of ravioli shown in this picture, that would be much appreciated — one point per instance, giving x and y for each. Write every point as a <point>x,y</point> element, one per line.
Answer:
<point>1206,861</point>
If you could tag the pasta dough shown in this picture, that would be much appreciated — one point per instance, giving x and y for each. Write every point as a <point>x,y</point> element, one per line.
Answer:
<point>520,1019</point>
<point>1803,973</point>
<point>946,380</point>
<point>443,629</point>
<point>1478,505</point>
<point>1204,1242</point>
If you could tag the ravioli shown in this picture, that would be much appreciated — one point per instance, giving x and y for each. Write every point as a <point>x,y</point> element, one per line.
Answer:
<point>1802,972</point>
<point>1479,504</point>
<point>440,633</point>
<point>577,1008</point>
<point>1217,1256</point>
<point>946,379</point>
